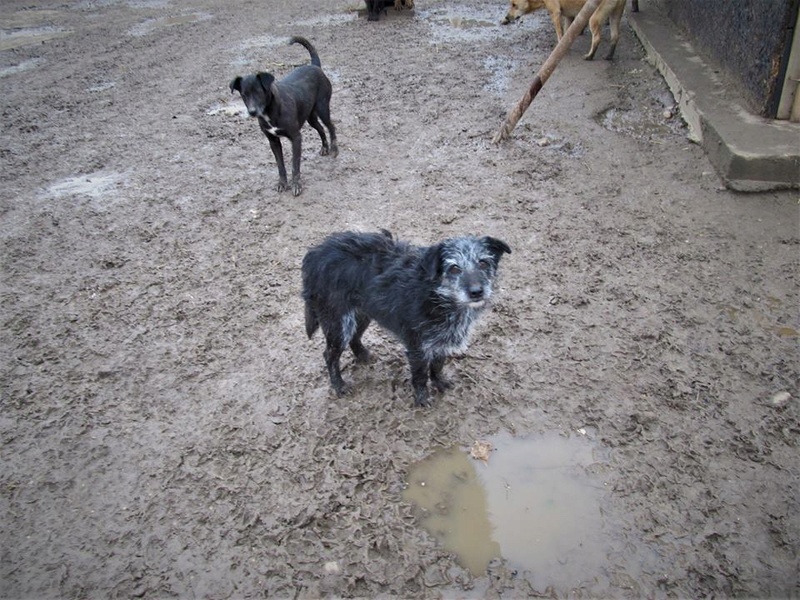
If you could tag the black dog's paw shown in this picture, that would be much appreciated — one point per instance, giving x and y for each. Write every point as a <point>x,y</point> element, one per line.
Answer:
<point>296,188</point>
<point>332,151</point>
<point>343,389</point>
<point>282,186</point>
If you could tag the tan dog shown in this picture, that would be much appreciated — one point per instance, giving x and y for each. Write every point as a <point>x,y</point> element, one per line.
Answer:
<point>608,10</point>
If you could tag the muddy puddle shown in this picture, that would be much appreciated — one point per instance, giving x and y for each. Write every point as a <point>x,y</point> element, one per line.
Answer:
<point>152,25</point>
<point>95,185</point>
<point>10,40</point>
<point>460,24</point>
<point>536,502</point>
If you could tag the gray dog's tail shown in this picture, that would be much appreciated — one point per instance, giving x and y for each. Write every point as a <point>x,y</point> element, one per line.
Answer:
<point>305,43</point>
<point>312,322</point>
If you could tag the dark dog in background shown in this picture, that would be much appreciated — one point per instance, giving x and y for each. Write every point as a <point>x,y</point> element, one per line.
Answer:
<point>429,297</point>
<point>282,107</point>
<point>376,7</point>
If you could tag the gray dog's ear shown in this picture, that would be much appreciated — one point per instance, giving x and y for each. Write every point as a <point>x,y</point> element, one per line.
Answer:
<point>236,85</point>
<point>496,247</point>
<point>431,262</point>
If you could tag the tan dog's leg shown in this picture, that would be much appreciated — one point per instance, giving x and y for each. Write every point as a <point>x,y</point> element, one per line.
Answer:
<point>555,15</point>
<point>614,21</point>
<point>607,8</point>
<point>596,26</point>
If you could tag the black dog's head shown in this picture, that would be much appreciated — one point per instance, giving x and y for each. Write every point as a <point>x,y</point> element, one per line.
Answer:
<point>256,91</point>
<point>463,269</point>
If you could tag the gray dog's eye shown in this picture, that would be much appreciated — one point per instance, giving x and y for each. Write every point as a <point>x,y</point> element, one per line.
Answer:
<point>484,265</point>
<point>454,270</point>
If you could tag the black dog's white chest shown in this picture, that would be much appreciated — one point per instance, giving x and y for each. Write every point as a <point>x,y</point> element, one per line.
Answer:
<point>268,127</point>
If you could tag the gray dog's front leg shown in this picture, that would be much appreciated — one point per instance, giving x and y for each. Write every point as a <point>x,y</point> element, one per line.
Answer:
<point>419,378</point>
<point>439,381</point>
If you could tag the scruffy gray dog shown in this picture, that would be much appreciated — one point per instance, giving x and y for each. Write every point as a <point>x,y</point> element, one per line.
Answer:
<point>429,297</point>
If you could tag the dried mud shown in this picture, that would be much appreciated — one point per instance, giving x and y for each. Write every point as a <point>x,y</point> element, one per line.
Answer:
<point>167,429</point>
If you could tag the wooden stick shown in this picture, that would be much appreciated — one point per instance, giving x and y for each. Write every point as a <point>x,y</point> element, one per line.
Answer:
<point>547,69</point>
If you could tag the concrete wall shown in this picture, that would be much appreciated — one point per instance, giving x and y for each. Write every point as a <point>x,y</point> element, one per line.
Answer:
<point>748,39</point>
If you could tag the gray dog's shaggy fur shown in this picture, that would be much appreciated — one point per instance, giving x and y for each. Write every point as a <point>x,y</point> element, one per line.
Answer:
<point>429,297</point>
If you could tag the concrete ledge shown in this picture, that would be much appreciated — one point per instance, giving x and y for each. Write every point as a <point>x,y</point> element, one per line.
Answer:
<point>749,152</point>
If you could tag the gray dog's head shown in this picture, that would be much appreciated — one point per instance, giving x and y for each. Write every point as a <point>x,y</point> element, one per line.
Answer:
<point>256,91</point>
<point>464,268</point>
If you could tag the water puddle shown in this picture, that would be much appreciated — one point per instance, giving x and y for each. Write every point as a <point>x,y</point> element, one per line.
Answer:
<point>25,65</point>
<point>18,38</point>
<point>462,24</point>
<point>94,185</point>
<point>535,503</point>
<point>328,19</point>
<point>151,25</point>
<point>235,108</point>
<point>631,123</point>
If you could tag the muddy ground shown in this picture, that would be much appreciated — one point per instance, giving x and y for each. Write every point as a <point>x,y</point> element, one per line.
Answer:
<point>167,429</point>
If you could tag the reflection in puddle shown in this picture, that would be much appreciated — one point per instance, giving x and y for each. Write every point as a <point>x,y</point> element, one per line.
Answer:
<point>453,506</point>
<point>532,504</point>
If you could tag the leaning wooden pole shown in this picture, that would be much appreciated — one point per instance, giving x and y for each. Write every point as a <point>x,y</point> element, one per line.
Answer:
<point>547,69</point>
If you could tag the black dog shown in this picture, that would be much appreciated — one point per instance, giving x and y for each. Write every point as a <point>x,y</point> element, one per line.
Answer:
<point>283,106</point>
<point>376,7</point>
<point>429,297</point>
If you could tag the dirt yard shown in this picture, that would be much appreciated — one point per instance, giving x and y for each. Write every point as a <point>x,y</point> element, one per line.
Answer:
<point>168,430</point>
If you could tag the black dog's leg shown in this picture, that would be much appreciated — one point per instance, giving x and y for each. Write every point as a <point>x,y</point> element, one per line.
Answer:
<point>323,111</point>
<point>297,151</point>
<point>361,353</point>
<point>438,380</point>
<point>373,9</point>
<point>312,120</point>
<point>419,377</point>
<point>277,151</point>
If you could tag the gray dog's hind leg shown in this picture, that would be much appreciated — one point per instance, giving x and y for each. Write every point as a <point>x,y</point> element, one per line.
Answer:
<point>361,353</point>
<point>333,352</point>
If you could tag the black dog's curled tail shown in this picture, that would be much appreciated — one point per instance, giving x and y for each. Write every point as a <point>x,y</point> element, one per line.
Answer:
<point>307,45</point>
